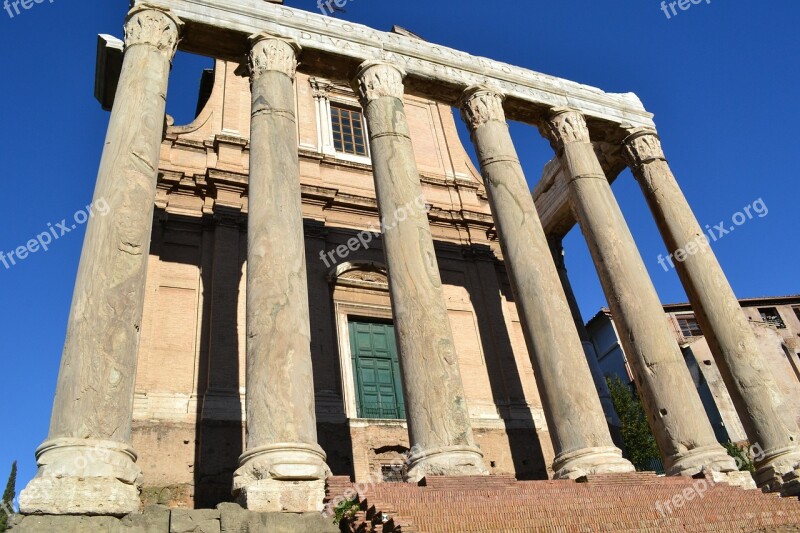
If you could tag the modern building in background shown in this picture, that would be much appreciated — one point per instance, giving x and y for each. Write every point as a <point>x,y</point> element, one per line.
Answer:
<point>775,322</point>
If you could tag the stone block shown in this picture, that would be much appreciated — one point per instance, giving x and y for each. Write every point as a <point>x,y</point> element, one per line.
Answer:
<point>194,521</point>
<point>234,519</point>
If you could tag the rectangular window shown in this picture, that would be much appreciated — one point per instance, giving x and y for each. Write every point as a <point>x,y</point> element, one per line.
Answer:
<point>348,131</point>
<point>797,312</point>
<point>689,326</point>
<point>771,316</point>
<point>393,473</point>
<point>379,389</point>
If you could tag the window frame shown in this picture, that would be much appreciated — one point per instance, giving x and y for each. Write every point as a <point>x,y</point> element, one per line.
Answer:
<point>326,95</point>
<point>778,321</point>
<point>686,318</point>
<point>340,108</point>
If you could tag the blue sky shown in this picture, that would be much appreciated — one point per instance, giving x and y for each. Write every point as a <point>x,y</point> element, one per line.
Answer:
<point>722,79</point>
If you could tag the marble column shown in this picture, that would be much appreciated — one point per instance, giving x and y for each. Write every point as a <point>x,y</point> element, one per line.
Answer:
<point>438,419</point>
<point>283,468</point>
<point>581,440</point>
<point>726,328</point>
<point>557,250</point>
<point>87,465</point>
<point>675,413</point>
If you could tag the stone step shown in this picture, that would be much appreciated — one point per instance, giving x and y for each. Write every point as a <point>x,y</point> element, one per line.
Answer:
<point>629,502</point>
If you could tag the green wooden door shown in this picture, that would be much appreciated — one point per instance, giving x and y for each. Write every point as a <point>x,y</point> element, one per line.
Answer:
<point>377,371</point>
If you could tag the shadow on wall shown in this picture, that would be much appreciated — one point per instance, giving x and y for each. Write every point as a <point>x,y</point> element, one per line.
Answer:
<point>218,249</point>
<point>504,376</point>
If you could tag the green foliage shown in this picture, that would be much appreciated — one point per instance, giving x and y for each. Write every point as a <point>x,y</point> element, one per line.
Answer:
<point>345,510</point>
<point>640,446</point>
<point>742,456</point>
<point>7,505</point>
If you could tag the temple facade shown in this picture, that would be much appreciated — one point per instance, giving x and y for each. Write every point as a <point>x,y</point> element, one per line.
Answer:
<point>312,279</point>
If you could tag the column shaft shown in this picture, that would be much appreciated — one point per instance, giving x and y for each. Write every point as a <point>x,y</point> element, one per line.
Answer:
<point>578,429</point>
<point>283,467</point>
<point>87,465</point>
<point>438,418</point>
<point>588,347</point>
<point>675,412</point>
<point>726,328</point>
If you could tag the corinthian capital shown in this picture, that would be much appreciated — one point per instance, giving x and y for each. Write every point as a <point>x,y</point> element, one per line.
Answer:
<point>270,53</point>
<point>481,104</point>
<point>154,26</point>
<point>642,146</point>
<point>376,79</point>
<point>565,126</point>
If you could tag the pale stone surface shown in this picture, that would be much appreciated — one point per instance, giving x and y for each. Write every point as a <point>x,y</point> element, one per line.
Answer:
<point>227,518</point>
<point>737,479</point>
<point>438,418</point>
<point>234,519</point>
<point>85,466</point>
<point>154,519</point>
<point>281,424</point>
<point>194,521</point>
<point>574,414</point>
<point>280,495</point>
<point>437,68</point>
<point>741,362</point>
<point>600,384</point>
<point>675,412</point>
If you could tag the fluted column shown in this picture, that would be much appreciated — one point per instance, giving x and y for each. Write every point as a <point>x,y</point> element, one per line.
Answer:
<point>283,468</point>
<point>438,419</point>
<point>87,465</point>
<point>578,429</point>
<point>726,328</point>
<point>675,412</point>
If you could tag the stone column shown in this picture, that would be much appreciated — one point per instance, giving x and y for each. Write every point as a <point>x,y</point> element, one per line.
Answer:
<point>675,412</point>
<point>438,420</point>
<point>581,440</point>
<point>87,466</point>
<point>283,468</point>
<point>729,334</point>
<point>557,250</point>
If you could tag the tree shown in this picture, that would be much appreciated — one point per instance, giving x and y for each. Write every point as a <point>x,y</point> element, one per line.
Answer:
<point>7,505</point>
<point>639,445</point>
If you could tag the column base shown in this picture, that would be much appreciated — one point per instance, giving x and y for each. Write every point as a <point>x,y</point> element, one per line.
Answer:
<point>277,496</point>
<point>780,472</point>
<point>588,461</point>
<point>708,458</point>
<point>284,477</point>
<point>446,461</point>
<point>83,477</point>
<point>742,480</point>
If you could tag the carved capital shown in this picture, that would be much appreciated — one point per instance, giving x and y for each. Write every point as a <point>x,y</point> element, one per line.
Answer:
<point>270,53</point>
<point>376,79</point>
<point>154,26</point>
<point>565,126</point>
<point>481,104</point>
<point>320,87</point>
<point>642,146</point>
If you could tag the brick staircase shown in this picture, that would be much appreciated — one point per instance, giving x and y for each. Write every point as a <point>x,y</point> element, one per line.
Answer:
<point>627,502</point>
